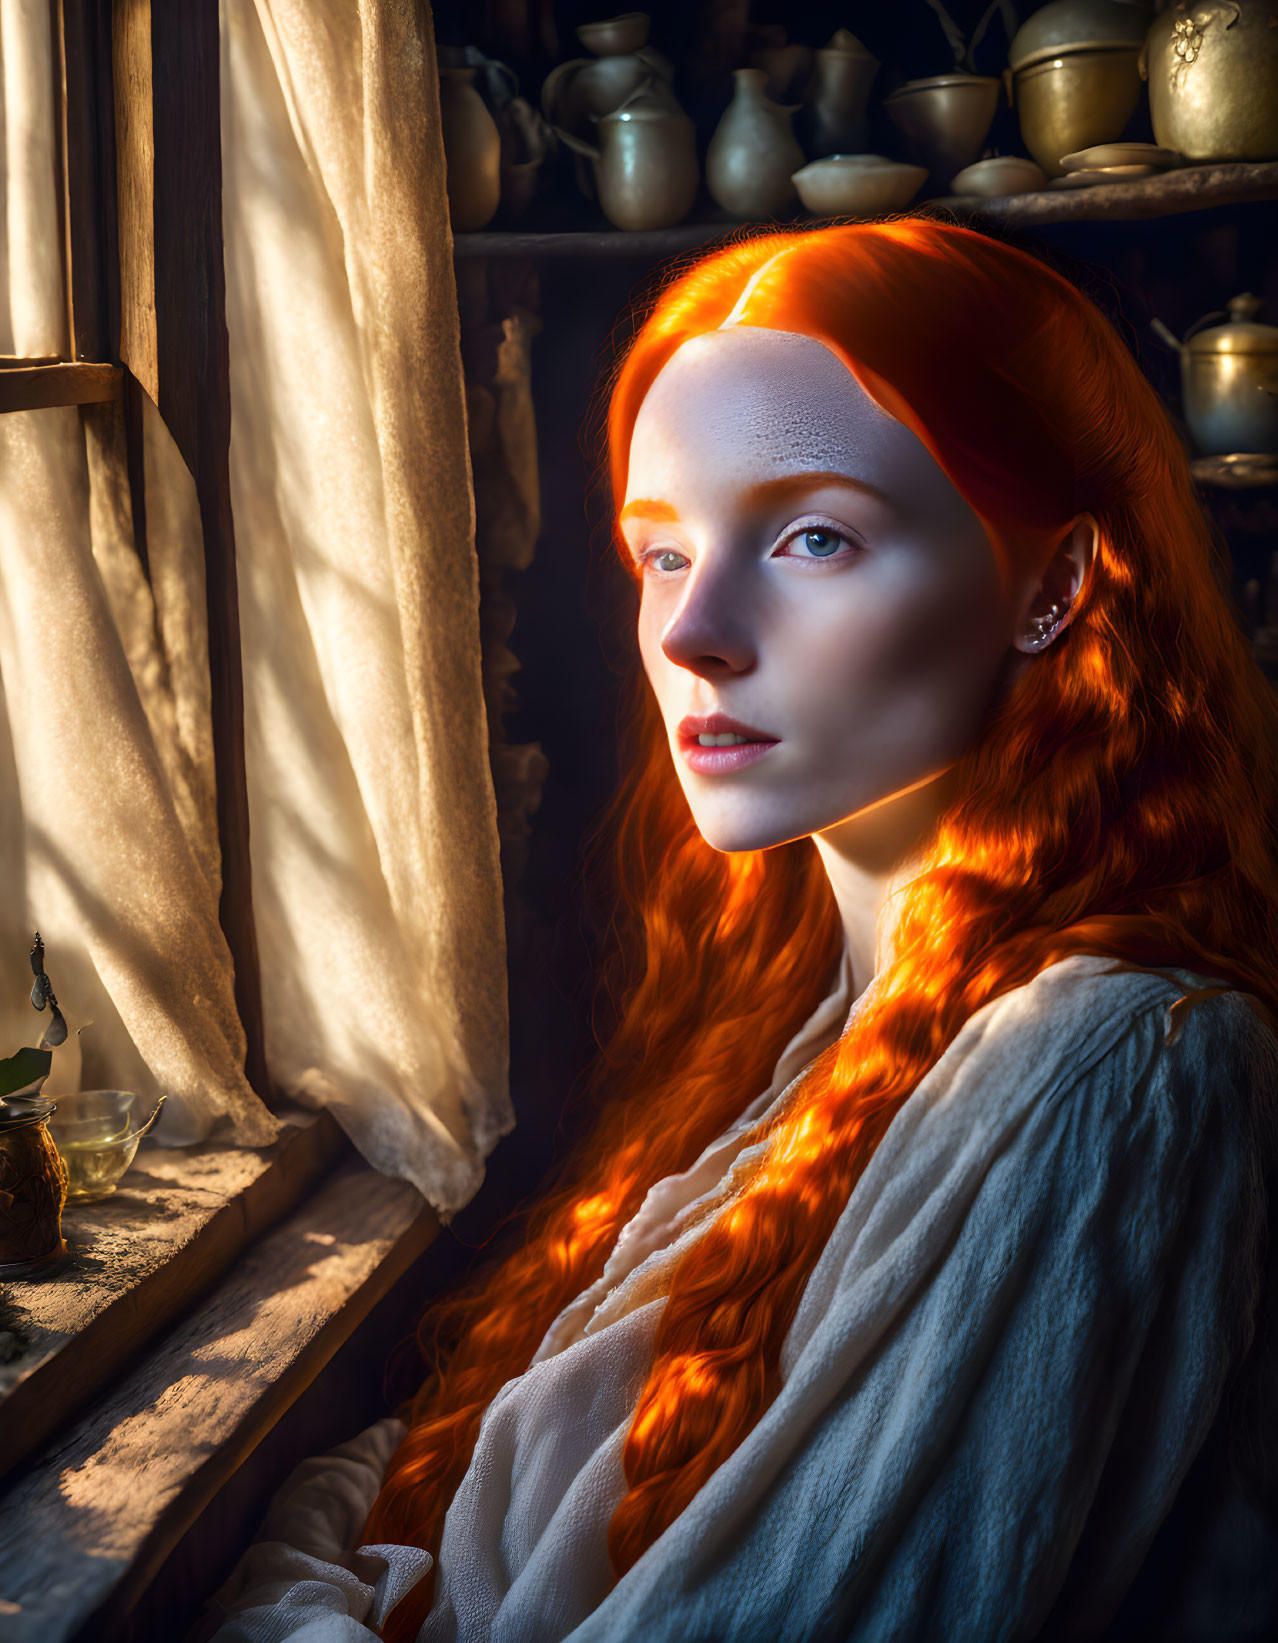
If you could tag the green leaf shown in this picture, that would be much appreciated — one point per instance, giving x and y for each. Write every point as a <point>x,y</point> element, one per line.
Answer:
<point>28,1066</point>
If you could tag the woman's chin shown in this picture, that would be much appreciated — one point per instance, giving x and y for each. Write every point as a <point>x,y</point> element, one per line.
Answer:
<point>732,837</point>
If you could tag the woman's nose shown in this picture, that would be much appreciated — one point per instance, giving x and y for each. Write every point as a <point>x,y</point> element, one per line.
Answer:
<point>711,632</point>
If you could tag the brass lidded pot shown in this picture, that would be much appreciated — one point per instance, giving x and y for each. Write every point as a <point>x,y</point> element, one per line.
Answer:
<point>1229,381</point>
<point>33,1186</point>
<point>1072,75</point>
<point>1213,79</point>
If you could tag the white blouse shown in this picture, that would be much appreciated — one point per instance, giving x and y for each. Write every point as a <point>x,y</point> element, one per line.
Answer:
<point>1009,1355</point>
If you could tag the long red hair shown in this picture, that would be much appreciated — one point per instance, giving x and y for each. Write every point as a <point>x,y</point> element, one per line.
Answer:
<point>1121,799</point>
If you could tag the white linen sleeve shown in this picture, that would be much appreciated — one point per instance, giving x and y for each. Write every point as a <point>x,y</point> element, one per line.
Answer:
<point>1053,1370</point>
<point>301,1579</point>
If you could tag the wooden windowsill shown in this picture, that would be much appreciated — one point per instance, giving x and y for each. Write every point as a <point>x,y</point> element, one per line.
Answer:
<point>193,1308</point>
<point>87,1524</point>
<point>177,1221</point>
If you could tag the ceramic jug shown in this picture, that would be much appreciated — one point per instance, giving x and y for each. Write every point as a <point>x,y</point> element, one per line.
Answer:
<point>753,154</point>
<point>837,107</point>
<point>526,140</point>
<point>584,89</point>
<point>472,151</point>
<point>645,165</point>
<point>1212,69</point>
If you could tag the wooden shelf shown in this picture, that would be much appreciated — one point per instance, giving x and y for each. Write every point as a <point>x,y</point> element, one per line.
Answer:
<point>1190,188</point>
<point>1236,473</point>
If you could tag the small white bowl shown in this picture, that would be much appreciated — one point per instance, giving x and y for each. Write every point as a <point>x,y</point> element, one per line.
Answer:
<point>1000,175</point>
<point>851,185</point>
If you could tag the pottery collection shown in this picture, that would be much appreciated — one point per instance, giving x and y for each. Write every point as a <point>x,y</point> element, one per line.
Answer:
<point>1076,73</point>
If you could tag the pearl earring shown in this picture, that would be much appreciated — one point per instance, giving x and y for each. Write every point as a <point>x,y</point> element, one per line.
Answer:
<point>1043,628</point>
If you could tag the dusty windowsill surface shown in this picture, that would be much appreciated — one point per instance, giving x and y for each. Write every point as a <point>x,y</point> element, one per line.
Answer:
<point>135,1260</point>
<point>87,1522</point>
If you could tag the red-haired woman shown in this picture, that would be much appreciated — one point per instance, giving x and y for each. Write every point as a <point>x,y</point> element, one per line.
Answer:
<point>913,1281</point>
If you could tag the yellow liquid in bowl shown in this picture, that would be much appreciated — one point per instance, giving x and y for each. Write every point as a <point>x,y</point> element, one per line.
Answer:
<point>94,1167</point>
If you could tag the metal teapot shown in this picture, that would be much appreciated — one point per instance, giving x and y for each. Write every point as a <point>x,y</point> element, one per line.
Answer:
<point>646,163</point>
<point>1229,380</point>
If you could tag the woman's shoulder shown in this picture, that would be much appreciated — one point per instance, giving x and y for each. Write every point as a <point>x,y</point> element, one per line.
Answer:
<point>1079,1016</point>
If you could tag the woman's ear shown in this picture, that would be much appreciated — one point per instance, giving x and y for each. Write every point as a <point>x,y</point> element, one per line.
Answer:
<point>1047,607</point>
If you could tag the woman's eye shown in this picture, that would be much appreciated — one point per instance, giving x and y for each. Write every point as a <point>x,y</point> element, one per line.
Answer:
<point>816,542</point>
<point>665,559</point>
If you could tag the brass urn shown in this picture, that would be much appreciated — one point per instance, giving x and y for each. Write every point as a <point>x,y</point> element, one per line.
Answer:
<point>1212,69</point>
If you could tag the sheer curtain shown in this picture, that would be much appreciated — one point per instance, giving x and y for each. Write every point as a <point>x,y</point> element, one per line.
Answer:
<point>107,839</point>
<point>376,887</point>
<point>372,819</point>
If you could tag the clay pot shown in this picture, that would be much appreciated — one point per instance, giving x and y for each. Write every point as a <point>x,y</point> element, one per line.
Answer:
<point>645,165</point>
<point>472,151</point>
<point>753,154</point>
<point>944,121</point>
<point>837,106</point>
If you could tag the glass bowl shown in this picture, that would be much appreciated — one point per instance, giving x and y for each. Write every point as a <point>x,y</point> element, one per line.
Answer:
<point>97,1132</point>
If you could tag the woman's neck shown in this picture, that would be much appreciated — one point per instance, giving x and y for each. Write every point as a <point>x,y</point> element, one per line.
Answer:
<point>871,855</point>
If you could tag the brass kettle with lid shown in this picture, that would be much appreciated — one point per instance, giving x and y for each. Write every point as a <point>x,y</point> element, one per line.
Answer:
<point>1229,380</point>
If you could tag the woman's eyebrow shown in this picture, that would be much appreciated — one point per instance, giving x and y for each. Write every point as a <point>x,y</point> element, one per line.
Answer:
<point>765,491</point>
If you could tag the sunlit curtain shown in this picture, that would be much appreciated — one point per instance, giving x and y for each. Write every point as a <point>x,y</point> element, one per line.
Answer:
<point>376,887</point>
<point>372,820</point>
<point>107,838</point>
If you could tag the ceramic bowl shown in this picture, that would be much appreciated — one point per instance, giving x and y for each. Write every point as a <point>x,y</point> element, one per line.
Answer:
<point>944,120</point>
<point>1112,154</point>
<point>1000,175</point>
<point>616,36</point>
<point>852,185</point>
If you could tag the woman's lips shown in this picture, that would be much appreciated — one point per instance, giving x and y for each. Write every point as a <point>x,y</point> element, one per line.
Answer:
<point>721,760</point>
<point>715,761</point>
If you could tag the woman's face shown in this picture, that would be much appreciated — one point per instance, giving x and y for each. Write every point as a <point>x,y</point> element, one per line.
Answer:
<point>810,574</point>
